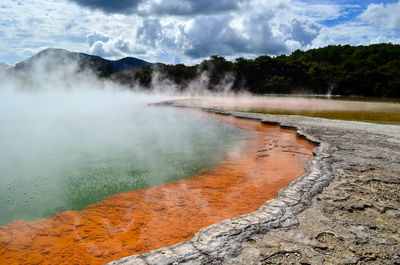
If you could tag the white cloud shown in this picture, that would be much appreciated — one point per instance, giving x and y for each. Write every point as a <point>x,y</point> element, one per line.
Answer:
<point>304,31</point>
<point>352,33</point>
<point>293,45</point>
<point>96,36</point>
<point>259,28</point>
<point>385,16</point>
<point>194,31</point>
<point>112,48</point>
<point>319,11</point>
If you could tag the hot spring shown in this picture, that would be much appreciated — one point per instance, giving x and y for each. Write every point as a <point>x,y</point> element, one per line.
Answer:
<point>89,175</point>
<point>65,150</point>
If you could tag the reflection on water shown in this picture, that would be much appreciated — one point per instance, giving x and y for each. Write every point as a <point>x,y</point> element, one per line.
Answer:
<point>133,222</point>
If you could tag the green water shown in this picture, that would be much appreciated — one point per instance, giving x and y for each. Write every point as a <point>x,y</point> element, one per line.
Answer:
<point>70,153</point>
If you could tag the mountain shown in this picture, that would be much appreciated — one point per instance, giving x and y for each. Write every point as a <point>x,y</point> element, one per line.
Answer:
<point>51,59</point>
<point>127,64</point>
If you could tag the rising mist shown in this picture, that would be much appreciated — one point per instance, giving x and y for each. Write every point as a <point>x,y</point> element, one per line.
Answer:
<point>69,139</point>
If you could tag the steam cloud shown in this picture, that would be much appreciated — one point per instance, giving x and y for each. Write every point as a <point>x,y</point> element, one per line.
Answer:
<point>69,138</point>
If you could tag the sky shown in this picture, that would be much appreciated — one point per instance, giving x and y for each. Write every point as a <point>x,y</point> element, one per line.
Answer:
<point>189,31</point>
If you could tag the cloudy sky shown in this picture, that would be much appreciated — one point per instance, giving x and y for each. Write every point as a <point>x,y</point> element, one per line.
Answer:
<point>172,31</point>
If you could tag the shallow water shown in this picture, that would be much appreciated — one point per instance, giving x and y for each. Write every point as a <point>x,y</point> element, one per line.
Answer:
<point>341,108</point>
<point>65,150</point>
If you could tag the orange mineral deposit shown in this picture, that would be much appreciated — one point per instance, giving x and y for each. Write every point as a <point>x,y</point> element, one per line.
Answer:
<point>134,222</point>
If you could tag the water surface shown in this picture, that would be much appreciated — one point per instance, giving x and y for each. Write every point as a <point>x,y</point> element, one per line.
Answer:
<point>65,150</point>
<point>335,107</point>
<point>138,221</point>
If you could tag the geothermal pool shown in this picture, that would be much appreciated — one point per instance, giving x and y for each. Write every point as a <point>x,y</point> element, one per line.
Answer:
<point>65,151</point>
<point>90,176</point>
<point>263,160</point>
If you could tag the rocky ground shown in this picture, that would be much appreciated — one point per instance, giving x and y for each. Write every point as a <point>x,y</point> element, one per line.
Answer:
<point>344,210</point>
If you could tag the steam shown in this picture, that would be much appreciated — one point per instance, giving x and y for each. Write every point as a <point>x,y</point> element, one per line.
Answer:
<point>195,88</point>
<point>69,139</point>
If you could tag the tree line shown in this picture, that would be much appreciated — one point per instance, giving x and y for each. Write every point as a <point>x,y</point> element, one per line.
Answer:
<point>370,71</point>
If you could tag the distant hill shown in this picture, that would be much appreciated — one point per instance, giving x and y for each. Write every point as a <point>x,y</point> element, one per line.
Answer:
<point>368,71</point>
<point>51,59</point>
<point>127,64</point>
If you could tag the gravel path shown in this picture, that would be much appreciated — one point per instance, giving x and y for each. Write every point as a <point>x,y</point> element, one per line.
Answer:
<point>344,210</point>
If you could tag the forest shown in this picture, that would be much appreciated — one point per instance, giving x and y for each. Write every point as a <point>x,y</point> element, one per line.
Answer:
<point>368,71</point>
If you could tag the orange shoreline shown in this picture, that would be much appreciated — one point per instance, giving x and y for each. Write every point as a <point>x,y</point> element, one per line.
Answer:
<point>135,222</point>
